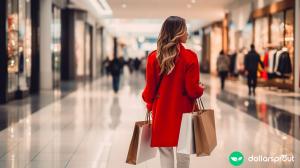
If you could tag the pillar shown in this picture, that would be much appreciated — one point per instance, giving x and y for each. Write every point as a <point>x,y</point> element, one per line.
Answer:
<point>297,46</point>
<point>46,78</point>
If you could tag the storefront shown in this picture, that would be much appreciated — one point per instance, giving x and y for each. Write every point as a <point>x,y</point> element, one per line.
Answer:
<point>56,45</point>
<point>16,50</point>
<point>99,51</point>
<point>271,29</point>
<point>212,41</point>
<point>77,42</point>
<point>274,40</point>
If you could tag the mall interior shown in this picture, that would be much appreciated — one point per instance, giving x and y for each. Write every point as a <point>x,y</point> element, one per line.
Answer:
<point>57,104</point>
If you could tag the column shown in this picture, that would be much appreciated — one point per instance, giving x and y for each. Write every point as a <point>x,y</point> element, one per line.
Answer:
<point>297,73</point>
<point>297,45</point>
<point>46,78</point>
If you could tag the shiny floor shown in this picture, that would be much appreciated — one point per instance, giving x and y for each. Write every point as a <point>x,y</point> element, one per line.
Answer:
<point>91,127</point>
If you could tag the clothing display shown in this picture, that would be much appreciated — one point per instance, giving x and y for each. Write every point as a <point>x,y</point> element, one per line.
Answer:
<point>271,55</point>
<point>276,60</point>
<point>284,63</point>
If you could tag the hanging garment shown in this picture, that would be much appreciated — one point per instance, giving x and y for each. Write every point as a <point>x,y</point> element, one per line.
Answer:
<point>271,60</point>
<point>276,60</point>
<point>284,64</point>
<point>264,73</point>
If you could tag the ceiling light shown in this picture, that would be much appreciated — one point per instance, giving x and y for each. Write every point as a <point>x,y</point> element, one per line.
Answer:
<point>193,1</point>
<point>188,5</point>
<point>124,5</point>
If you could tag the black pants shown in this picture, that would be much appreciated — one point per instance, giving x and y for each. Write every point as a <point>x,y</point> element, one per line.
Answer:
<point>252,80</point>
<point>116,82</point>
<point>223,76</point>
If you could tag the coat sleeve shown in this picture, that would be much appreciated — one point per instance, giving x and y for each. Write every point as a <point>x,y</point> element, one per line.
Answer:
<point>192,77</point>
<point>148,93</point>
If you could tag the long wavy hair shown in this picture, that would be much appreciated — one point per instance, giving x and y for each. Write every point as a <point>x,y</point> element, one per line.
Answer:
<point>172,29</point>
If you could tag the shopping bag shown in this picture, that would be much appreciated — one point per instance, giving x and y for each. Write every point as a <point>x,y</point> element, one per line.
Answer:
<point>186,140</point>
<point>140,149</point>
<point>205,131</point>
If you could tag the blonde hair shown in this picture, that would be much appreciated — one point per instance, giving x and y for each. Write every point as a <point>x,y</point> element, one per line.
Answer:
<point>172,29</point>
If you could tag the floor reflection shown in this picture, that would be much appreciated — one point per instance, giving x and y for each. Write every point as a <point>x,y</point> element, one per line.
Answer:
<point>275,117</point>
<point>16,110</point>
<point>115,113</point>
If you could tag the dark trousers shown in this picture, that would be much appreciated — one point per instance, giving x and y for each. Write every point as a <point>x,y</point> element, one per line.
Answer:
<point>252,81</point>
<point>116,82</point>
<point>223,76</point>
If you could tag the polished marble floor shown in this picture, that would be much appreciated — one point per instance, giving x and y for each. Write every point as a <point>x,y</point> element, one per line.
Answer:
<point>91,127</point>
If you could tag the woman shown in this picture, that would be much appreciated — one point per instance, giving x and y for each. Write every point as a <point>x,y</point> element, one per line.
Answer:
<point>172,86</point>
<point>223,64</point>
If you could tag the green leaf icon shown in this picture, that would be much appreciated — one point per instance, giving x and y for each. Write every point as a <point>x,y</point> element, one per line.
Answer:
<point>236,158</point>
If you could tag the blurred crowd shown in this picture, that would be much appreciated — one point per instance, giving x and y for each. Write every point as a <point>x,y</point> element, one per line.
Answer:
<point>115,68</point>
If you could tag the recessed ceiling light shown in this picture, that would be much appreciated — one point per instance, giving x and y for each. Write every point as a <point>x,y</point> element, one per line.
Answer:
<point>124,5</point>
<point>188,5</point>
<point>193,1</point>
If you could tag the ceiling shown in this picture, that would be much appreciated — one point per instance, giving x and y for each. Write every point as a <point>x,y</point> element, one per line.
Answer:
<point>204,10</point>
<point>138,17</point>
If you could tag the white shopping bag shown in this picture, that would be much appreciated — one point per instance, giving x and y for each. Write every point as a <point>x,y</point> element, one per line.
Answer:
<point>186,141</point>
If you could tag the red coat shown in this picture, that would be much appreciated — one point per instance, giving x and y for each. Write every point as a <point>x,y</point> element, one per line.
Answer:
<point>176,95</point>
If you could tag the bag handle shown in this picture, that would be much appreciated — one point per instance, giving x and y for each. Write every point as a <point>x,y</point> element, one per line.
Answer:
<point>148,117</point>
<point>199,103</point>
<point>200,100</point>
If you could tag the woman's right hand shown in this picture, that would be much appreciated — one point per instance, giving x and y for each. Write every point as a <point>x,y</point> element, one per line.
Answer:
<point>202,85</point>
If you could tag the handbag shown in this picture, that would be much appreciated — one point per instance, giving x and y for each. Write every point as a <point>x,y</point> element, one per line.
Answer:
<point>205,130</point>
<point>186,140</point>
<point>140,149</point>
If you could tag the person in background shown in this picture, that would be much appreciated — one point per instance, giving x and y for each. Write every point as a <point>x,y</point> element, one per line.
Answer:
<point>116,68</point>
<point>223,63</point>
<point>252,59</point>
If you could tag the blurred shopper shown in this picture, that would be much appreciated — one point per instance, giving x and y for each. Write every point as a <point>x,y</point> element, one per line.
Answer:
<point>116,67</point>
<point>172,86</point>
<point>137,64</point>
<point>130,65</point>
<point>223,63</point>
<point>251,62</point>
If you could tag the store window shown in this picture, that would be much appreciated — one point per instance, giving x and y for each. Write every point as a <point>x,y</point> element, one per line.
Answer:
<point>56,45</point>
<point>289,31</point>
<point>19,44</point>
<point>24,44</point>
<point>277,29</point>
<point>88,51</point>
<point>79,48</point>
<point>261,34</point>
